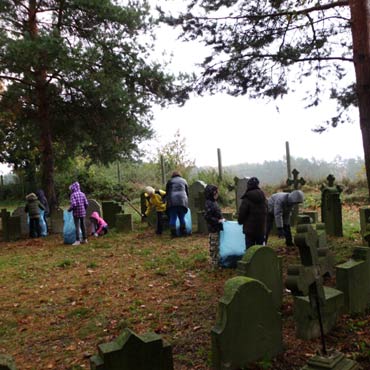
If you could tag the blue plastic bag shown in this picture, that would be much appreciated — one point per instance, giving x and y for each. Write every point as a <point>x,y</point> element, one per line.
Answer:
<point>42,223</point>
<point>69,229</point>
<point>188,224</point>
<point>232,244</point>
<point>43,227</point>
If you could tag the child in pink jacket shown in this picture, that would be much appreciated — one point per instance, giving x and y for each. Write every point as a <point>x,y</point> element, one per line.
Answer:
<point>98,226</point>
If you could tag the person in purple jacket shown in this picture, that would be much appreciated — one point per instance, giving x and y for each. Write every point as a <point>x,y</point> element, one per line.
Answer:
<point>78,205</point>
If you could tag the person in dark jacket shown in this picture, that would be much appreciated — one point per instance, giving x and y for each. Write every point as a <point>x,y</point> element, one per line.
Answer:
<point>280,207</point>
<point>253,213</point>
<point>33,207</point>
<point>177,202</point>
<point>214,218</point>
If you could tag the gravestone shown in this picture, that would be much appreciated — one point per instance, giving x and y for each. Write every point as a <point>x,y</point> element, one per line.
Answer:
<point>11,226</point>
<point>353,279</point>
<point>263,264</point>
<point>94,206</point>
<point>7,363</point>
<point>111,209</point>
<point>297,184</point>
<point>56,221</point>
<point>124,222</point>
<point>240,189</point>
<point>365,224</point>
<point>334,360</point>
<point>202,224</point>
<point>331,207</point>
<point>315,306</point>
<point>196,201</point>
<point>23,220</point>
<point>133,352</point>
<point>248,326</point>
<point>313,215</point>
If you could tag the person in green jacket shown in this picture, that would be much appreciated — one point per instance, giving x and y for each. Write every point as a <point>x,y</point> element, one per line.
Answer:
<point>33,207</point>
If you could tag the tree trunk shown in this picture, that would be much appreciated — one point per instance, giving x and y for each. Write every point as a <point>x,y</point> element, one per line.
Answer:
<point>360,24</point>
<point>41,87</point>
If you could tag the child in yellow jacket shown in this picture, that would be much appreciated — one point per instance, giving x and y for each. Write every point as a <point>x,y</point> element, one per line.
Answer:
<point>155,199</point>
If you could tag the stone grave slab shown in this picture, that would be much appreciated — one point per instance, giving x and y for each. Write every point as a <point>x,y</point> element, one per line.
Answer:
<point>11,226</point>
<point>196,200</point>
<point>124,222</point>
<point>353,279</point>
<point>333,361</point>
<point>248,326</point>
<point>110,210</point>
<point>240,189</point>
<point>263,264</point>
<point>20,212</point>
<point>133,352</point>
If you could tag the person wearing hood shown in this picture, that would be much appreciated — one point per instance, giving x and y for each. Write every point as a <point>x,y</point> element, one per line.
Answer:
<point>214,219</point>
<point>253,213</point>
<point>33,207</point>
<point>280,207</point>
<point>99,227</point>
<point>155,199</point>
<point>78,205</point>
<point>177,202</point>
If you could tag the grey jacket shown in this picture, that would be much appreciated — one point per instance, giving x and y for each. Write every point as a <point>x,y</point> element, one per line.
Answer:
<point>177,192</point>
<point>280,205</point>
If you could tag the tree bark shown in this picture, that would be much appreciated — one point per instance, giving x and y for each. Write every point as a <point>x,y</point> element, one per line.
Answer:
<point>43,114</point>
<point>360,25</point>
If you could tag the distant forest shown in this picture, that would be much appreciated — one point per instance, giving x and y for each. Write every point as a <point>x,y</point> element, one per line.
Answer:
<point>275,172</point>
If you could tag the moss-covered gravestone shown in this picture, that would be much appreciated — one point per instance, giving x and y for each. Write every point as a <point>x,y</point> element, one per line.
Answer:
<point>248,326</point>
<point>263,264</point>
<point>11,226</point>
<point>353,279</point>
<point>331,207</point>
<point>133,352</point>
<point>7,363</point>
<point>315,307</point>
<point>124,222</point>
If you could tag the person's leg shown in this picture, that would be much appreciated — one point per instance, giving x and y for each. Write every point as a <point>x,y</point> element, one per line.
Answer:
<point>288,236</point>
<point>181,213</point>
<point>269,224</point>
<point>249,241</point>
<point>77,227</point>
<point>172,212</point>
<point>38,227</point>
<point>32,228</point>
<point>159,227</point>
<point>83,229</point>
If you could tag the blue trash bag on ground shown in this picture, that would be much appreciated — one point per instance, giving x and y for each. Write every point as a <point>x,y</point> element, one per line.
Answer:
<point>69,229</point>
<point>232,244</point>
<point>188,224</point>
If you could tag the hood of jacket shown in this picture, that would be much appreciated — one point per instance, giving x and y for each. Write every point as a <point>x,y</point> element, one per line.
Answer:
<point>296,196</point>
<point>31,196</point>
<point>255,195</point>
<point>95,215</point>
<point>209,192</point>
<point>74,187</point>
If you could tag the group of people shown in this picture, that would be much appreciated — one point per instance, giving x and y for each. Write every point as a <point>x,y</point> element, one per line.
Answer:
<point>78,206</point>
<point>256,213</point>
<point>173,202</point>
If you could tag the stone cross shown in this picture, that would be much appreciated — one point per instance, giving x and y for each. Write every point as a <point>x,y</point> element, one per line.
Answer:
<point>331,180</point>
<point>295,181</point>
<point>306,279</point>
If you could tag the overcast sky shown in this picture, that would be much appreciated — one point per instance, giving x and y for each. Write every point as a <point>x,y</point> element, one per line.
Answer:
<point>246,130</point>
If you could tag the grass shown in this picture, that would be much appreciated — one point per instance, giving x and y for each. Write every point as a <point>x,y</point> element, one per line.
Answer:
<point>59,302</point>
